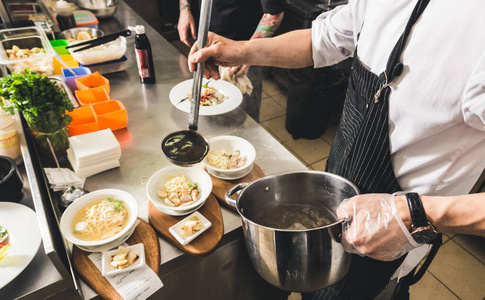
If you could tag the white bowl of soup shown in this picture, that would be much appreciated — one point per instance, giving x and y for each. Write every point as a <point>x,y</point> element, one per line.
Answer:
<point>229,157</point>
<point>100,220</point>
<point>179,191</point>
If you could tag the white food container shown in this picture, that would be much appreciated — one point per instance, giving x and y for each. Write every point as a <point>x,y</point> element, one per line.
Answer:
<point>113,50</point>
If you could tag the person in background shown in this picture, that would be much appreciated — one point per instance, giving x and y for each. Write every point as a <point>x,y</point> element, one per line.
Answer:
<point>413,118</point>
<point>237,20</point>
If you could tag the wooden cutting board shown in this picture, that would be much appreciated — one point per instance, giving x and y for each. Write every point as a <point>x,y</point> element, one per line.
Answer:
<point>201,245</point>
<point>221,186</point>
<point>143,233</point>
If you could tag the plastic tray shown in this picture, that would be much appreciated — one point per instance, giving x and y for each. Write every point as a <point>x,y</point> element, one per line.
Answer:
<point>98,116</point>
<point>108,67</point>
<point>92,81</point>
<point>71,79</point>
<point>68,60</point>
<point>111,114</point>
<point>106,52</point>
<point>90,96</point>
<point>27,38</point>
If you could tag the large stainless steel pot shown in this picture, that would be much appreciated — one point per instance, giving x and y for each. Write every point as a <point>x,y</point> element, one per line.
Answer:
<point>298,260</point>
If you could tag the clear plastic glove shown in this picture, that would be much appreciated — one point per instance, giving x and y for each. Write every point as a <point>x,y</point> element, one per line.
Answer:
<point>240,79</point>
<point>373,227</point>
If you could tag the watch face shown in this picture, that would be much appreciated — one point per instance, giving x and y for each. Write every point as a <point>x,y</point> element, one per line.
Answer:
<point>424,235</point>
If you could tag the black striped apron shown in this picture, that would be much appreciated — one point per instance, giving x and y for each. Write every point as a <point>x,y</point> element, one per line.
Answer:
<point>361,153</point>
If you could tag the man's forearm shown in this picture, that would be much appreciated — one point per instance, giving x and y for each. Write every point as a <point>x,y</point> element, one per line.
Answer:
<point>268,25</point>
<point>289,50</point>
<point>457,214</point>
<point>463,214</point>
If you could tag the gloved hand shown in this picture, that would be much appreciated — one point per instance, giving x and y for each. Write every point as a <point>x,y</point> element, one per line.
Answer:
<point>373,227</point>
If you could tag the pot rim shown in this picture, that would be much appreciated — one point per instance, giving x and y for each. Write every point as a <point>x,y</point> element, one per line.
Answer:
<point>288,173</point>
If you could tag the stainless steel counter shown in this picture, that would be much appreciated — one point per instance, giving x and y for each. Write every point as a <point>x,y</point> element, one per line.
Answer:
<point>151,117</point>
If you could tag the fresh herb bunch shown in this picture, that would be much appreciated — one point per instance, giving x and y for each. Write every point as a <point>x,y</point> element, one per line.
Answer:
<point>42,103</point>
<point>34,94</point>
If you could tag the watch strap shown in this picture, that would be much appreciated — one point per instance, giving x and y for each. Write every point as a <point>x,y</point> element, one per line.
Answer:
<point>418,215</point>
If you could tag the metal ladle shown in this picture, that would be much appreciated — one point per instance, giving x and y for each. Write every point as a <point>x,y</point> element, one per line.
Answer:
<point>188,147</point>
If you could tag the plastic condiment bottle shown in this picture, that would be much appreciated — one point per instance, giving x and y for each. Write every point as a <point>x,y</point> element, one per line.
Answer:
<point>143,52</point>
<point>65,17</point>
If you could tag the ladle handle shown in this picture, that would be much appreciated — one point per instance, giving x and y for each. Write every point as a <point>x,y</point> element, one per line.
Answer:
<point>205,15</point>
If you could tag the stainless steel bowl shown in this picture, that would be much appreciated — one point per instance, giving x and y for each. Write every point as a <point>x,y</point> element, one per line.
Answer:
<point>102,9</point>
<point>71,34</point>
<point>284,250</point>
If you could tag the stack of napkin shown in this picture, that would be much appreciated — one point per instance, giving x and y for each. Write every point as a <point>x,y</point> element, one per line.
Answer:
<point>94,152</point>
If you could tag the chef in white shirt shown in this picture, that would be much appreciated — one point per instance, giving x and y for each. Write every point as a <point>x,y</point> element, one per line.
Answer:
<point>414,117</point>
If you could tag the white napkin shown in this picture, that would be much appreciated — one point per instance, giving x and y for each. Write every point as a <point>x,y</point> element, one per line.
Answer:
<point>94,146</point>
<point>243,83</point>
<point>94,152</point>
<point>90,170</point>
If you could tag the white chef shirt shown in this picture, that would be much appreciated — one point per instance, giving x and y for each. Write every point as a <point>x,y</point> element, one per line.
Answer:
<point>437,105</point>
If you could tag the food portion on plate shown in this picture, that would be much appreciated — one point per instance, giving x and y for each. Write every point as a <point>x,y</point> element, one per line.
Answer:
<point>191,226</point>
<point>123,258</point>
<point>230,97</point>
<point>209,95</point>
<point>226,160</point>
<point>4,242</point>
<point>100,219</point>
<point>179,191</point>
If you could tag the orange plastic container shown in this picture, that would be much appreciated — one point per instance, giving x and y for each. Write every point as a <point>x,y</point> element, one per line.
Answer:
<point>111,114</point>
<point>92,81</point>
<point>89,96</point>
<point>68,59</point>
<point>84,120</point>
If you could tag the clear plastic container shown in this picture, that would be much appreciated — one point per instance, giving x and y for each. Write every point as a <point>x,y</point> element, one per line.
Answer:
<point>106,52</point>
<point>108,67</point>
<point>26,38</point>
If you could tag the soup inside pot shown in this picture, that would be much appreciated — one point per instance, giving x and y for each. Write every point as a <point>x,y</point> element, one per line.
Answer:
<point>295,217</point>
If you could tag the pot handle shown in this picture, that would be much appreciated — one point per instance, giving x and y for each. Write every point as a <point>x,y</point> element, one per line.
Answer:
<point>345,224</point>
<point>234,190</point>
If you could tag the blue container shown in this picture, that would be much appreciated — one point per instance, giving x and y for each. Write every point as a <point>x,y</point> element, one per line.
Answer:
<point>80,72</point>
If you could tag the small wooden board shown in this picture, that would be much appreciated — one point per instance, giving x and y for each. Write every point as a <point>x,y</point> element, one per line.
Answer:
<point>201,245</point>
<point>221,186</point>
<point>143,233</point>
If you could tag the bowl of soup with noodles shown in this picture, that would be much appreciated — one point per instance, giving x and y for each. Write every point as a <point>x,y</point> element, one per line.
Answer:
<point>229,157</point>
<point>178,190</point>
<point>100,220</point>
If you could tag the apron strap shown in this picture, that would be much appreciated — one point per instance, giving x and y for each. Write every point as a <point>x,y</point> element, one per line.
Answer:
<point>394,67</point>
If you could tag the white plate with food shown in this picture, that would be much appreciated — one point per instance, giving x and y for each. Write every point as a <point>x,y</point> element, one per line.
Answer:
<point>24,238</point>
<point>217,97</point>
<point>123,259</point>
<point>189,228</point>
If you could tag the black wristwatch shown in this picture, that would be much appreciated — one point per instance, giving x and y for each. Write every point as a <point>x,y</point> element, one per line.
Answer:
<point>421,230</point>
